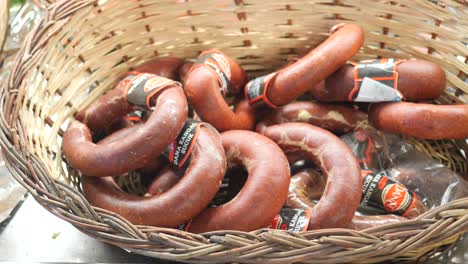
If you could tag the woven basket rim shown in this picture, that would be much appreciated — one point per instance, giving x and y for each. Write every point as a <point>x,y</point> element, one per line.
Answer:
<point>439,226</point>
<point>4,15</point>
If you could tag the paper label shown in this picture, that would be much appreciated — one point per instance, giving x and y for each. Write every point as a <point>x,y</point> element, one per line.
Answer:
<point>291,219</point>
<point>375,81</point>
<point>218,62</point>
<point>255,91</point>
<point>179,151</point>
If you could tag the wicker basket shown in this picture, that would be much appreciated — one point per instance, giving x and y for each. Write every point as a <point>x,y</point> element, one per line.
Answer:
<point>81,47</point>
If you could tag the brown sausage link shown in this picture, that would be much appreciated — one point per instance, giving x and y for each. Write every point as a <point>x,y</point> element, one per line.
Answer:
<point>202,88</point>
<point>335,118</point>
<point>263,194</point>
<point>307,186</point>
<point>417,80</point>
<point>423,121</point>
<point>106,109</point>
<point>184,71</point>
<point>165,67</point>
<point>148,141</point>
<point>176,206</point>
<point>297,78</point>
<point>165,180</point>
<point>343,190</point>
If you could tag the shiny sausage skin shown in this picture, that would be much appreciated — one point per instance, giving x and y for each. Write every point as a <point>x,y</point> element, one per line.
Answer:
<point>148,141</point>
<point>417,80</point>
<point>299,77</point>
<point>176,206</point>
<point>342,193</point>
<point>202,89</point>
<point>335,118</point>
<point>167,67</point>
<point>165,180</point>
<point>422,121</point>
<point>307,186</point>
<point>264,192</point>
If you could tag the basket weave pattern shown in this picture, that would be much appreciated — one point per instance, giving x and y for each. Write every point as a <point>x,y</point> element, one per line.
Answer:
<point>82,47</point>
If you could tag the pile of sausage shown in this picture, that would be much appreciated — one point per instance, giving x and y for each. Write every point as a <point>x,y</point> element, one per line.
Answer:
<point>185,125</point>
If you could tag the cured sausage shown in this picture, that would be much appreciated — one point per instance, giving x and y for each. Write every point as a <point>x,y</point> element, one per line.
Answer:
<point>422,121</point>
<point>177,205</point>
<point>148,141</point>
<point>264,192</point>
<point>414,79</point>
<point>213,77</point>
<point>167,67</point>
<point>184,70</point>
<point>342,192</point>
<point>165,180</point>
<point>308,185</point>
<point>335,118</point>
<point>282,87</point>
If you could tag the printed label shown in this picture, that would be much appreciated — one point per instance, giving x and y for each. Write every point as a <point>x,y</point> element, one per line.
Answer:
<point>179,151</point>
<point>291,219</point>
<point>218,62</point>
<point>255,90</point>
<point>380,191</point>
<point>375,81</point>
<point>141,87</point>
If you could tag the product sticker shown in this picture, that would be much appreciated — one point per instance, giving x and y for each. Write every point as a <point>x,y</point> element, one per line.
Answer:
<point>375,81</point>
<point>179,151</point>
<point>256,89</point>
<point>136,116</point>
<point>291,219</point>
<point>143,86</point>
<point>380,191</point>
<point>218,62</point>
<point>185,227</point>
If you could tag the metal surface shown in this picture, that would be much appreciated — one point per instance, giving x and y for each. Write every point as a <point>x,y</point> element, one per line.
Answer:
<point>34,234</point>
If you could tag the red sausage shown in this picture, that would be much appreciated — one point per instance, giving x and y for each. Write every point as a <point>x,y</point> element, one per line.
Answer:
<point>297,78</point>
<point>148,141</point>
<point>176,206</point>
<point>335,118</point>
<point>202,88</point>
<point>342,193</point>
<point>423,121</point>
<point>184,70</point>
<point>416,80</point>
<point>263,194</point>
<point>165,180</point>
<point>307,186</point>
<point>167,67</point>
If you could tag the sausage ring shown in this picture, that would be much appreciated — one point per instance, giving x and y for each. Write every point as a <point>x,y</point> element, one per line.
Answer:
<point>167,67</point>
<point>210,79</point>
<point>160,130</point>
<point>423,121</point>
<point>264,192</point>
<point>284,86</point>
<point>414,79</point>
<point>342,193</point>
<point>335,118</point>
<point>176,206</point>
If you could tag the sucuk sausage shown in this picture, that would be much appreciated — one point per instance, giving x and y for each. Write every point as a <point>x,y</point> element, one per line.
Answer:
<point>179,204</point>
<point>167,67</point>
<point>202,88</point>
<point>287,84</point>
<point>422,121</point>
<point>415,80</point>
<point>335,118</point>
<point>165,180</point>
<point>264,192</point>
<point>342,192</point>
<point>152,137</point>
<point>307,186</point>
<point>184,70</point>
